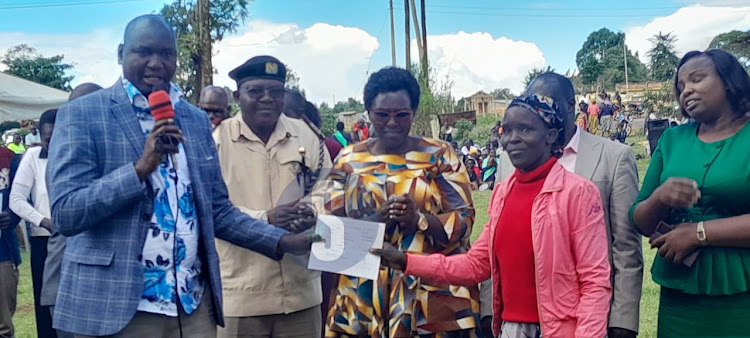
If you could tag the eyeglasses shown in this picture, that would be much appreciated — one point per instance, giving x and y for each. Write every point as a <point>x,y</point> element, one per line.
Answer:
<point>214,111</point>
<point>257,92</point>
<point>384,115</point>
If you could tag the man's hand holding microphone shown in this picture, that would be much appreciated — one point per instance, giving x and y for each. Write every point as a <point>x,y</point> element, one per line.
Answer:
<point>164,138</point>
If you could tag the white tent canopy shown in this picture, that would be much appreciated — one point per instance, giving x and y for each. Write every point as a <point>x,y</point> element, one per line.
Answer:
<point>25,100</point>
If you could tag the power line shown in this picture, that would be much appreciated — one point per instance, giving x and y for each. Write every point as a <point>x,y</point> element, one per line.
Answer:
<point>554,9</point>
<point>513,15</point>
<point>64,4</point>
<point>369,64</point>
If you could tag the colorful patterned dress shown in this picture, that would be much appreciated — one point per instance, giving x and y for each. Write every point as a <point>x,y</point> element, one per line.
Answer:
<point>397,305</point>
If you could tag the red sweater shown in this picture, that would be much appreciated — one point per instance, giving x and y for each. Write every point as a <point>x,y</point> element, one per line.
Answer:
<point>514,249</point>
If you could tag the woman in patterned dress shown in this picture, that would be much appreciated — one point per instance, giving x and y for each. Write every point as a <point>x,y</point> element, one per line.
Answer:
<point>421,190</point>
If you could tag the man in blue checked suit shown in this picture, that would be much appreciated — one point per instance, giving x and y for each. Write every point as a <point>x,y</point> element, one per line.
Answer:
<point>141,260</point>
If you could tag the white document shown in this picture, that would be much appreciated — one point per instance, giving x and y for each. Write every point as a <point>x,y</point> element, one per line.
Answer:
<point>347,245</point>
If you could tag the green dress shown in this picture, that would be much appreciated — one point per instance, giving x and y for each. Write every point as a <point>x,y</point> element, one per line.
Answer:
<point>710,298</point>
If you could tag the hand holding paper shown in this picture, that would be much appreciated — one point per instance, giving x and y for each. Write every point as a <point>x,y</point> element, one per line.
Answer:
<point>347,245</point>
<point>392,257</point>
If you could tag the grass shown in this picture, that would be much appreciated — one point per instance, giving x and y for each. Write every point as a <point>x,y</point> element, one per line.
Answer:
<point>24,319</point>
<point>25,323</point>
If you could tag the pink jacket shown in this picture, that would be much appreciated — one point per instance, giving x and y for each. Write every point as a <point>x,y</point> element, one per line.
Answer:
<point>570,253</point>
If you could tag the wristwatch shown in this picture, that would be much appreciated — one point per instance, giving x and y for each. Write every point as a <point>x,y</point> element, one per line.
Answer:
<point>702,240</point>
<point>422,223</point>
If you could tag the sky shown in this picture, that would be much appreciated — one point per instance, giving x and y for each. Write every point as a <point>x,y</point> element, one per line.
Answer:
<point>333,45</point>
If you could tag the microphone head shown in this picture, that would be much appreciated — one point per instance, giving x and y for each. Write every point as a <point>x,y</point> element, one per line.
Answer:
<point>161,105</point>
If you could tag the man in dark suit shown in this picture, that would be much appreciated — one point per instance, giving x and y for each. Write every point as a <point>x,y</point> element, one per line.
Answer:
<point>612,167</point>
<point>141,223</point>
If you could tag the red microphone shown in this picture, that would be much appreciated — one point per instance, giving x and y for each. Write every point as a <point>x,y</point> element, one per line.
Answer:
<point>161,109</point>
<point>161,105</point>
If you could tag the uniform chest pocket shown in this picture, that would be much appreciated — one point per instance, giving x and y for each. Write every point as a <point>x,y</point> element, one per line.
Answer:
<point>290,163</point>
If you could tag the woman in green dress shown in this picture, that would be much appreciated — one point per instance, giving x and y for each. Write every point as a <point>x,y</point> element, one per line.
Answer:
<point>699,181</point>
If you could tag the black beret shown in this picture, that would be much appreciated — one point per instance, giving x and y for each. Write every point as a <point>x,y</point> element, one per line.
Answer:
<point>259,67</point>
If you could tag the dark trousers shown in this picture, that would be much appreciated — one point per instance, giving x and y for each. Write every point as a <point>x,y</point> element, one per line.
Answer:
<point>38,256</point>
<point>328,281</point>
<point>8,297</point>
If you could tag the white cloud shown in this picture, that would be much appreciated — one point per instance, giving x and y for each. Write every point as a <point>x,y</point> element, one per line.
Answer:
<point>720,3</point>
<point>694,26</point>
<point>94,54</point>
<point>477,61</point>
<point>329,60</point>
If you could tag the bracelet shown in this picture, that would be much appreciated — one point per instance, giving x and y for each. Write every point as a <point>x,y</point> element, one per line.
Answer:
<point>701,233</point>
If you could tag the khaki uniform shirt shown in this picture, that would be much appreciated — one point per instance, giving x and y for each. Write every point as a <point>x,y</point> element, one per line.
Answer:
<point>259,177</point>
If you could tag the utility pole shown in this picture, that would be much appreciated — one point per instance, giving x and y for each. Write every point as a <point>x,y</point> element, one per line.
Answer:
<point>425,60</point>
<point>416,30</point>
<point>393,38</point>
<point>204,70</point>
<point>625,56</point>
<point>408,34</point>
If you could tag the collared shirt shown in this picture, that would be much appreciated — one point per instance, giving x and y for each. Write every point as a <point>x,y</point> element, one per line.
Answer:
<point>171,266</point>
<point>31,139</point>
<point>570,153</point>
<point>30,182</point>
<point>260,176</point>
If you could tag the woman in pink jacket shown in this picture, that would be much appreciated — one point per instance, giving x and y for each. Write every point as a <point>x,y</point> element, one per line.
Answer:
<point>545,245</point>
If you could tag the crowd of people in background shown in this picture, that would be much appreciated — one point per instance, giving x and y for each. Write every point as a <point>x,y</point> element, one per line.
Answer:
<point>192,225</point>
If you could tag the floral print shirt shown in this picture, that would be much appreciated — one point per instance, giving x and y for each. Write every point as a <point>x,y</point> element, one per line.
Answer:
<point>171,267</point>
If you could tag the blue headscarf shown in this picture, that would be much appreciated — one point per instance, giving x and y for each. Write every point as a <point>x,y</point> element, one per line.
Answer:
<point>546,108</point>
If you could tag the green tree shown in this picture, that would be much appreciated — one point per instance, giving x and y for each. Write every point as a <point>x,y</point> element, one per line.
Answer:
<point>663,57</point>
<point>327,119</point>
<point>576,80</point>
<point>25,62</point>
<point>590,58</point>
<point>502,94</point>
<point>735,42</point>
<point>8,125</point>
<point>661,102</point>
<point>601,63</point>
<point>292,80</point>
<point>533,73</point>
<point>461,103</point>
<point>329,115</point>
<point>194,43</point>
<point>435,98</point>
<point>463,128</point>
<point>614,68</point>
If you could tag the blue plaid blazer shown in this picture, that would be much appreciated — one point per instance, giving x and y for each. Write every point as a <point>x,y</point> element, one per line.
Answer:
<point>99,203</point>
